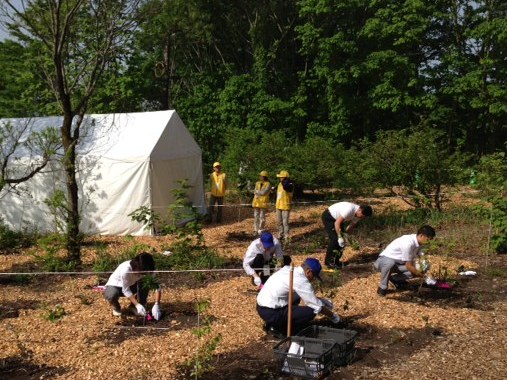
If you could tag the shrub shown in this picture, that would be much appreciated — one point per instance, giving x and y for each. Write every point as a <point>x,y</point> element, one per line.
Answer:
<point>10,239</point>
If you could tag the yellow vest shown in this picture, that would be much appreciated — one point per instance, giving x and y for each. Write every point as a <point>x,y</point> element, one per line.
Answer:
<point>217,184</point>
<point>261,201</point>
<point>283,198</point>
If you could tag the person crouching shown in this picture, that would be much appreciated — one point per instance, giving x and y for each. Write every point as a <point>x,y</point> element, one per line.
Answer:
<point>127,281</point>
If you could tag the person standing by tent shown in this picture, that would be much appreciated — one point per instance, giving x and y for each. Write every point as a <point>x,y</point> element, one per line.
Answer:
<point>273,299</point>
<point>260,201</point>
<point>218,187</point>
<point>126,281</point>
<point>284,193</point>
<point>334,218</point>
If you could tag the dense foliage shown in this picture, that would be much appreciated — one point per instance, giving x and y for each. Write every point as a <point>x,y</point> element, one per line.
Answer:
<point>348,94</point>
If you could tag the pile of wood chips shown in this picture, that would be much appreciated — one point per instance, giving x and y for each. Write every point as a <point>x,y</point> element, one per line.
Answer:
<point>420,333</point>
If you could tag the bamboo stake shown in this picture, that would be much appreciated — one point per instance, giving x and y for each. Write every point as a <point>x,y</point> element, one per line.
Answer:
<point>289,314</point>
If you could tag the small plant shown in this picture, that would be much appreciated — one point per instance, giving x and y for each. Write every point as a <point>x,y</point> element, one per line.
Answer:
<point>84,299</point>
<point>149,282</point>
<point>10,239</point>
<point>146,216</point>
<point>201,362</point>
<point>50,260</point>
<point>55,314</point>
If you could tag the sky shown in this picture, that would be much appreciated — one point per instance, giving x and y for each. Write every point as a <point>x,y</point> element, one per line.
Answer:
<point>3,32</point>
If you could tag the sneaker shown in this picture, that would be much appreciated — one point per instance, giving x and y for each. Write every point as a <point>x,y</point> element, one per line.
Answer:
<point>116,313</point>
<point>381,292</point>
<point>270,330</point>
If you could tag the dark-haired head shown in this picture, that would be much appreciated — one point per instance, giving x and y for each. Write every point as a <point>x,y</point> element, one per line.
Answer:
<point>142,262</point>
<point>427,231</point>
<point>366,210</point>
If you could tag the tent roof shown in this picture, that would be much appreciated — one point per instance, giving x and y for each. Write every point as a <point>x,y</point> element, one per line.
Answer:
<point>128,136</point>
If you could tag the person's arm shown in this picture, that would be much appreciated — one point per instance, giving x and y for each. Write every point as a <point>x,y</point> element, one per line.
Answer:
<point>351,226</point>
<point>412,269</point>
<point>338,225</point>
<point>264,191</point>
<point>249,257</point>
<point>158,295</point>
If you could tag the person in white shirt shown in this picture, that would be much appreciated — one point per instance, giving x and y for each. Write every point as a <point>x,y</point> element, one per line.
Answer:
<point>260,253</point>
<point>126,281</point>
<point>334,218</point>
<point>400,257</point>
<point>273,299</point>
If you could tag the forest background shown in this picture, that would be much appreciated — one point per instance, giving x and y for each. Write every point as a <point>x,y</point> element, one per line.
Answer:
<point>408,96</point>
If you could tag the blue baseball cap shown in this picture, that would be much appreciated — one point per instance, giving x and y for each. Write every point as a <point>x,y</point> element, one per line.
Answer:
<point>267,240</point>
<point>314,266</point>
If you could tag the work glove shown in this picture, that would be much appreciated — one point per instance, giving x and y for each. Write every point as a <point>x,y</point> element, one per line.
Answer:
<point>341,242</point>
<point>155,311</point>
<point>140,310</point>
<point>336,319</point>
<point>327,303</point>
<point>257,281</point>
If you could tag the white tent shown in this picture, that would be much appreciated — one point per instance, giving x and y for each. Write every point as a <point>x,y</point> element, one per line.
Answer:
<point>125,161</point>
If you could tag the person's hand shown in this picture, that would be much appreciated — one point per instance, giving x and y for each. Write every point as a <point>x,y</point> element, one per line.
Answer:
<point>341,242</point>
<point>155,311</point>
<point>327,303</point>
<point>140,310</point>
<point>257,281</point>
<point>336,319</point>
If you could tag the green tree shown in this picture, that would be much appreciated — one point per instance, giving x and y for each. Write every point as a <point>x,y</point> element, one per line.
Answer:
<point>75,41</point>
<point>413,163</point>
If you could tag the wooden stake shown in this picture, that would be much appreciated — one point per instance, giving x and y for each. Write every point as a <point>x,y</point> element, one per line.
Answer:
<point>289,314</point>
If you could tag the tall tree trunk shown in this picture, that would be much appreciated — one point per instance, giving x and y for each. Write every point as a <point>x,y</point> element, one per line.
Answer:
<point>69,164</point>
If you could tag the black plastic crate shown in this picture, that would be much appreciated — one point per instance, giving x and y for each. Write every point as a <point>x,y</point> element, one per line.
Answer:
<point>345,340</point>
<point>315,362</point>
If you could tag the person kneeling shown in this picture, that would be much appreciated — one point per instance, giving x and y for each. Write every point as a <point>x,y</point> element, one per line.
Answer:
<point>127,281</point>
<point>273,299</point>
<point>397,262</point>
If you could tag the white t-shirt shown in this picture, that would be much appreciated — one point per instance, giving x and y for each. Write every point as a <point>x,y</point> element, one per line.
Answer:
<point>405,248</point>
<point>275,293</point>
<point>346,210</point>
<point>256,248</point>
<point>124,278</point>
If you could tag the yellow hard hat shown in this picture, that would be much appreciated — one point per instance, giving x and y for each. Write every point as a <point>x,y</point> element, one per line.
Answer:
<point>216,164</point>
<point>264,173</point>
<point>283,174</point>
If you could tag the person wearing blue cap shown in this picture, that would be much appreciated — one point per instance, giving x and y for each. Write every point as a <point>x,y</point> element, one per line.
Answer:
<point>260,253</point>
<point>273,299</point>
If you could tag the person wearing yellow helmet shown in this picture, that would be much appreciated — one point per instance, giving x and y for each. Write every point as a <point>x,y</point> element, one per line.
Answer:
<point>218,182</point>
<point>284,193</point>
<point>260,201</point>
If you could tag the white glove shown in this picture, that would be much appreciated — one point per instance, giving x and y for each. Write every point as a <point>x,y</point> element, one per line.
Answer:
<point>257,281</point>
<point>140,310</point>
<point>327,303</point>
<point>155,311</point>
<point>336,319</point>
<point>341,242</point>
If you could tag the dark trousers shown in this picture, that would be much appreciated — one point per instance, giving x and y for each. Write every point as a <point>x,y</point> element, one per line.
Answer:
<point>215,203</point>
<point>259,262</point>
<point>277,318</point>
<point>113,293</point>
<point>334,251</point>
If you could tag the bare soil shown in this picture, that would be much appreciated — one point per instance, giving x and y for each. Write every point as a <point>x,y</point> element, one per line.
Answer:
<point>416,333</point>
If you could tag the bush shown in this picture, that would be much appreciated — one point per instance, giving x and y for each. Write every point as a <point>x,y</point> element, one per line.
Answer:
<point>50,260</point>
<point>414,163</point>
<point>10,239</point>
